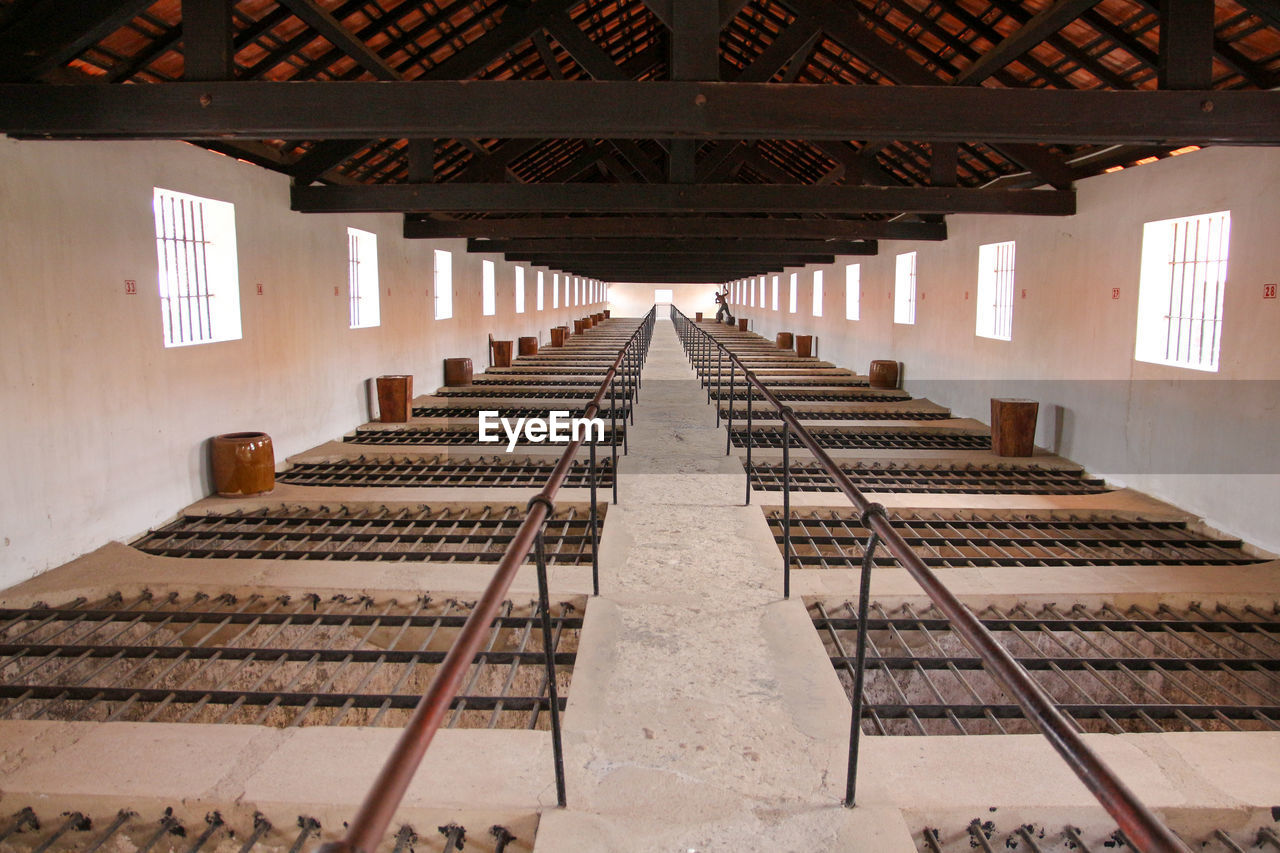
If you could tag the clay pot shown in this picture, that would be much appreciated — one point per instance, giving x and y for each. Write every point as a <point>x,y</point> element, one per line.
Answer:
<point>457,371</point>
<point>244,464</point>
<point>804,346</point>
<point>528,346</point>
<point>598,317</point>
<point>502,353</point>
<point>578,327</point>
<point>697,317</point>
<point>395,398</point>
<point>1013,426</point>
<point>559,335</point>
<point>785,340</point>
<point>742,325</point>
<point>606,313</point>
<point>883,374</point>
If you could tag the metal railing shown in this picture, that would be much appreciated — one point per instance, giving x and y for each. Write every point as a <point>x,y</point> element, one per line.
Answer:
<point>369,826</point>
<point>1144,830</point>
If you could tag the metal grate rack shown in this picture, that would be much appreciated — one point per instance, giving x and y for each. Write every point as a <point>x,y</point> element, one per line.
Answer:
<point>280,662</point>
<point>816,396</point>
<point>443,471</point>
<point>512,412</point>
<point>835,539</point>
<point>449,436</point>
<point>871,439</point>
<point>1205,668</point>
<point>552,393</point>
<point>846,415</point>
<point>984,835</point>
<point>454,534</point>
<point>935,479</point>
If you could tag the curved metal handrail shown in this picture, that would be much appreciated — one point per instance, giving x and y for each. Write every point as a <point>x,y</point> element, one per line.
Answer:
<point>370,823</point>
<point>1139,824</point>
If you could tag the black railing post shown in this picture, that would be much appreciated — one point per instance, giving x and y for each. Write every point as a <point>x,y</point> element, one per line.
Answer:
<point>860,655</point>
<point>786,506</point>
<point>719,372</point>
<point>595,535</point>
<point>728,433</point>
<point>750,394</point>
<point>613,431</point>
<point>549,653</point>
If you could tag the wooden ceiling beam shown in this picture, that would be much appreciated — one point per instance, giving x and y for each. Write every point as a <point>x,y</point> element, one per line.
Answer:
<point>638,110</point>
<point>586,262</point>
<point>1048,21</point>
<point>668,227</point>
<point>663,246</point>
<point>1186,44</point>
<point>675,198</point>
<point>51,32</point>
<point>208,51</point>
<point>316,17</point>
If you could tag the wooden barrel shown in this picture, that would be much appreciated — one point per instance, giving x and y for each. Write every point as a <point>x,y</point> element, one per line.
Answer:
<point>742,324</point>
<point>785,340</point>
<point>559,335</point>
<point>502,353</point>
<point>395,398</point>
<point>457,371</point>
<point>588,321</point>
<point>598,317</point>
<point>884,374</point>
<point>528,346</point>
<point>244,464</point>
<point>804,346</point>
<point>606,313</point>
<point>697,317</point>
<point>1013,426</point>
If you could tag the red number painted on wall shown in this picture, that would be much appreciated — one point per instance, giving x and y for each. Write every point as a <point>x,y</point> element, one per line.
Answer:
<point>1115,293</point>
<point>131,287</point>
<point>1268,291</point>
<point>259,288</point>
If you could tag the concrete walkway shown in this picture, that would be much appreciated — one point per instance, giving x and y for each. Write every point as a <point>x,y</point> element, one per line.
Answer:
<point>704,714</point>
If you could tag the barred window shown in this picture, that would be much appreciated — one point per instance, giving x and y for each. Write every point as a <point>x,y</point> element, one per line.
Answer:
<point>852,291</point>
<point>519,290</point>
<point>904,290</point>
<point>488,289</point>
<point>817,293</point>
<point>444,284</point>
<point>995,291</point>
<point>541,303</point>
<point>362,278</point>
<point>198,278</point>
<point>1180,293</point>
<point>793,297</point>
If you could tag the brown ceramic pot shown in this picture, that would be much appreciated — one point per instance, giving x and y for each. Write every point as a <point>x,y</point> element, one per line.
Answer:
<point>578,327</point>
<point>244,464</point>
<point>502,353</point>
<point>785,340</point>
<point>559,335</point>
<point>804,346</point>
<point>457,372</point>
<point>742,325</point>
<point>395,398</point>
<point>697,317</point>
<point>606,313</point>
<point>528,346</point>
<point>883,374</point>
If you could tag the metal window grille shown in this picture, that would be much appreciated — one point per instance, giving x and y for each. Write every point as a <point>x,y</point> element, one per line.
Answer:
<point>834,539</point>
<point>995,290</point>
<point>455,534</point>
<point>1197,276</point>
<point>183,244</point>
<point>834,438</point>
<point>443,471</point>
<point>279,661</point>
<point>1206,668</point>
<point>933,479</point>
<point>904,291</point>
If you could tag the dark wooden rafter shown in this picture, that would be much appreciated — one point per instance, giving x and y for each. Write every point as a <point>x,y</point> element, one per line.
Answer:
<point>208,49</point>
<point>1186,44</point>
<point>1048,21</point>
<point>662,246</point>
<point>316,17</point>
<point>52,32</point>
<point>673,227</point>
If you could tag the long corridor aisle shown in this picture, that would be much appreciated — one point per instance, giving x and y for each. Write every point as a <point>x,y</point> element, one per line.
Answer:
<point>704,714</point>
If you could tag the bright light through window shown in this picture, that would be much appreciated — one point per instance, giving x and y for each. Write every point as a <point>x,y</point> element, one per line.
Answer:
<point>662,295</point>
<point>444,284</point>
<point>817,293</point>
<point>555,290</point>
<point>904,289</point>
<point>519,290</point>
<point>488,289</point>
<point>995,291</point>
<point>362,278</point>
<point>199,277</point>
<point>775,293</point>
<point>540,298</point>
<point>852,291</point>
<point>793,296</point>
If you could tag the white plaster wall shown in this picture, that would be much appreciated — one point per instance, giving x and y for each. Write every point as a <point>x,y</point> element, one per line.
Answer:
<point>1203,441</point>
<point>105,429</point>
<point>634,299</point>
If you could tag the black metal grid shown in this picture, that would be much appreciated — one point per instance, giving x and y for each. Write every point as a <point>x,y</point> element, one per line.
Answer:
<point>550,393</point>
<point>772,414</point>
<point>455,534</point>
<point>835,539</point>
<point>946,478</point>
<point>799,381</point>
<point>839,439</point>
<point>1200,669</point>
<point>550,383</point>
<point>548,371</point>
<point>867,396</point>
<point>438,471</point>
<point>449,436</point>
<point>983,834</point>
<point>469,411</point>
<point>273,661</point>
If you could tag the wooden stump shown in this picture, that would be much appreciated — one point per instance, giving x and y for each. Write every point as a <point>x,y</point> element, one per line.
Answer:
<point>884,374</point>
<point>395,398</point>
<point>244,464</point>
<point>697,317</point>
<point>785,340</point>
<point>502,353</point>
<point>742,325</point>
<point>457,372</point>
<point>578,327</point>
<point>528,346</point>
<point>559,335</point>
<point>606,313</point>
<point>1013,426</point>
<point>804,346</point>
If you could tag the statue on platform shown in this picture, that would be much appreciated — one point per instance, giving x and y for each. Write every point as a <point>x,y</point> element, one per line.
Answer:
<point>722,313</point>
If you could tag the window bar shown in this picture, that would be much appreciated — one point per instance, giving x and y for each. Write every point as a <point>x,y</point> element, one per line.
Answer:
<point>415,662</point>
<point>189,247</point>
<point>549,649</point>
<point>341,713</point>
<point>203,308</point>
<point>353,277</point>
<point>512,670</point>
<point>536,709</point>
<point>923,673</point>
<point>893,682</point>
<point>978,838</point>
<point>75,820</point>
<point>860,665</point>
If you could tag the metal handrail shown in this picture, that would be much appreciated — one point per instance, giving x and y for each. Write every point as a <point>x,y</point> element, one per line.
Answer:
<point>1139,824</point>
<point>370,823</point>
